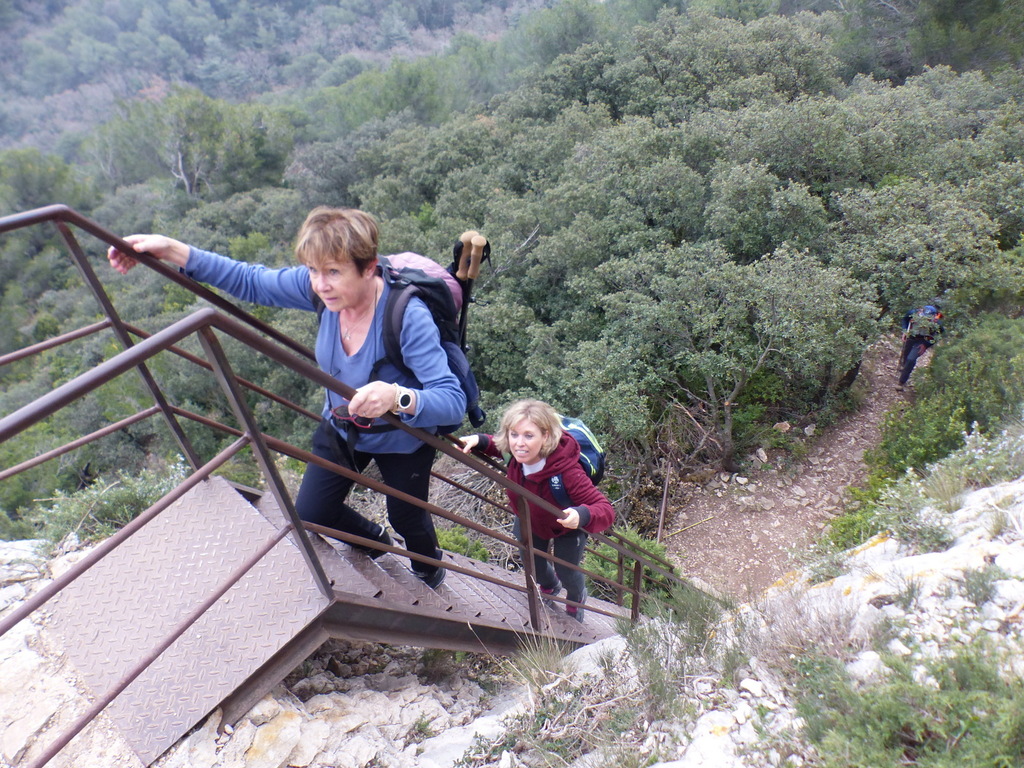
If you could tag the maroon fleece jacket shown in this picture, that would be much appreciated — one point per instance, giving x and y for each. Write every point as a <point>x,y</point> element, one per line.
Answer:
<point>595,511</point>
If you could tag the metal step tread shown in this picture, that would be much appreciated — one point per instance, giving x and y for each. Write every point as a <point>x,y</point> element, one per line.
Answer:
<point>126,604</point>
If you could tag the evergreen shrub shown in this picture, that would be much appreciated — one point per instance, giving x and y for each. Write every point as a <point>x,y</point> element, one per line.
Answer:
<point>973,383</point>
<point>453,540</point>
<point>605,563</point>
<point>102,508</point>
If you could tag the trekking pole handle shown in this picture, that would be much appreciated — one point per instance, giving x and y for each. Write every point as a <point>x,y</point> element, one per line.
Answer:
<point>467,243</point>
<point>476,253</point>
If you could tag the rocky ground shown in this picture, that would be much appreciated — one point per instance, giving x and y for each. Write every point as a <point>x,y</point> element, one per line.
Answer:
<point>367,706</point>
<point>740,532</point>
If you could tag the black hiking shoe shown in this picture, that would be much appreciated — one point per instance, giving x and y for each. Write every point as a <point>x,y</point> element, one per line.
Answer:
<point>433,580</point>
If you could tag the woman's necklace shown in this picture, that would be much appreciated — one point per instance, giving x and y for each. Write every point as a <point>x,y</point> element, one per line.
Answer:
<point>347,335</point>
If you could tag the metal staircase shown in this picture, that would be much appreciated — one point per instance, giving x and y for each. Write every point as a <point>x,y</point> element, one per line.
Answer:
<point>267,622</point>
<point>215,593</point>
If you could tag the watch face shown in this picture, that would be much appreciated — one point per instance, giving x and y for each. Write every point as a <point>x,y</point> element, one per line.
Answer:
<point>405,400</point>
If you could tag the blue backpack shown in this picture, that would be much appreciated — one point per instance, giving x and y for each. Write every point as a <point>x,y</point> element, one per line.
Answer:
<point>592,458</point>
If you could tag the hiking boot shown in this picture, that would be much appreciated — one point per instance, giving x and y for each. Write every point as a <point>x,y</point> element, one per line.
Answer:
<point>384,538</point>
<point>575,612</point>
<point>433,580</point>
<point>546,592</point>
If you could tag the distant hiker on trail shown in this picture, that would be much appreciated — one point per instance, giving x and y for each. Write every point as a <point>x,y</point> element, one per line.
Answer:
<point>920,329</point>
<point>338,264</point>
<point>531,434</point>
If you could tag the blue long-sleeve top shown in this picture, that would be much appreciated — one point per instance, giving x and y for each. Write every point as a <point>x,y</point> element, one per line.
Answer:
<point>439,398</point>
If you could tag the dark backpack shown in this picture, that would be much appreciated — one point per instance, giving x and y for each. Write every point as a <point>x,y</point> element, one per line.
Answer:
<point>408,275</point>
<point>592,458</point>
<point>925,322</point>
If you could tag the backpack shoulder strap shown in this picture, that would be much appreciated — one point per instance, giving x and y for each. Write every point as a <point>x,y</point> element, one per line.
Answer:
<point>399,293</point>
<point>557,486</point>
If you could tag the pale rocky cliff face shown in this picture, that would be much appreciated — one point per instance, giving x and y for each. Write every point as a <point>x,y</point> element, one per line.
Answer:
<point>366,706</point>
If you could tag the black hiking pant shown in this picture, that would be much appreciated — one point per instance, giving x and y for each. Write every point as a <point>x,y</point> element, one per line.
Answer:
<point>321,497</point>
<point>913,348</point>
<point>570,547</point>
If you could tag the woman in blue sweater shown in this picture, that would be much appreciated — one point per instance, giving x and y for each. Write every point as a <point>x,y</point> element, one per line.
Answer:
<point>337,252</point>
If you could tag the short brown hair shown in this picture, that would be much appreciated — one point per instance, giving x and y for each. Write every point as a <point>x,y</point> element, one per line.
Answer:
<point>337,234</point>
<point>541,414</point>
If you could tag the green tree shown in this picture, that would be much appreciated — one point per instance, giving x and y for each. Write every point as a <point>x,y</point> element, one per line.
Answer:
<point>325,171</point>
<point>253,151</point>
<point>210,148</point>
<point>753,212</point>
<point>915,239</point>
<point>542,36</point>
<point>968,35</point>
<point>702,326</point>
<point>740,10</point>
<point>999,189</point>
<point>681,62</point>
<point>29,179</point>
<point>394,27</point>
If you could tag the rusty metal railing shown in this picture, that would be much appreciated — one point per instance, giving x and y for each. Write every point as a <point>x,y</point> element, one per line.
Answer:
<point>254,332</point>
<point>208,326</point>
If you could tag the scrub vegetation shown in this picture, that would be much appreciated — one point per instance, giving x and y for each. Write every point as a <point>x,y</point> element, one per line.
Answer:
<point>701,213</point>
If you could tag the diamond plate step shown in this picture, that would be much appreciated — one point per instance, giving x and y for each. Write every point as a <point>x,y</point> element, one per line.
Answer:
<point>117,613</point>
<point>389,581</point>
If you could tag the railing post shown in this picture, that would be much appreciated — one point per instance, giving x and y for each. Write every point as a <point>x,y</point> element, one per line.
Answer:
<point>530,572</point>
<point>225,376</point>
<point>620,578</point>
<point>89,275</point>
<point>638,579</point>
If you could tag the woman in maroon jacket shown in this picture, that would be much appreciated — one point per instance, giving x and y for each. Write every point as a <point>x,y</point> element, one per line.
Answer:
<point>531,435</point>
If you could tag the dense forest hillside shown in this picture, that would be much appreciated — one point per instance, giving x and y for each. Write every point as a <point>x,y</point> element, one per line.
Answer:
<point>701,213</point>
<point>68,64</point>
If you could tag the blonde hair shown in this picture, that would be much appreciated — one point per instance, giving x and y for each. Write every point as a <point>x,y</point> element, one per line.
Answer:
<point>541,414</point>
<point>337,234</point>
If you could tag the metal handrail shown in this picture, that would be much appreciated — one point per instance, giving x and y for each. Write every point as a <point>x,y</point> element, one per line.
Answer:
<point>200,321</point>
<point>254,334</point>
<point>104,372</point>
<point>64,214</point>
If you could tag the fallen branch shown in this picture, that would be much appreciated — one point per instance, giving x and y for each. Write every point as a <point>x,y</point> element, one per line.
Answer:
<point>694,525</point>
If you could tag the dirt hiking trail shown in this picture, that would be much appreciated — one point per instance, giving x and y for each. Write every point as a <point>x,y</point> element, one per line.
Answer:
<point>738,533</point>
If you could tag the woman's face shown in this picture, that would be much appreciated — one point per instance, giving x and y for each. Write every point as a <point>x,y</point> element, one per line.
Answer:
<point>525,440</point>
<point>340,285</point>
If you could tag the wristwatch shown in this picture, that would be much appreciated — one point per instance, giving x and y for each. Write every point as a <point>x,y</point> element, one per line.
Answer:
<point>404,399</point>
